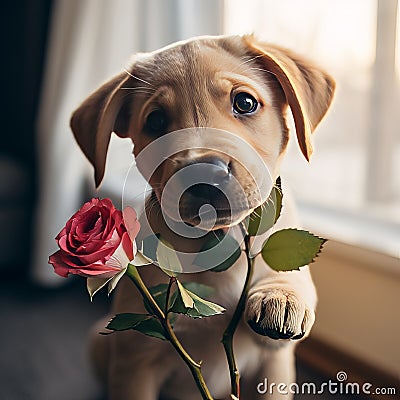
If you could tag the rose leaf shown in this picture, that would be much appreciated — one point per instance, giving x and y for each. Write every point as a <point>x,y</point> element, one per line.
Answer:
<point>159,294</point>
<point>265,216</point>
<point>197,307</point>
<point>290,249</point>
<point>149,246</point>
<point>219,247</point>
<point>198,288</point>
<point>185,296</point>
<point>125,321</point>
<point>151,327</point>
<point>167,259</point>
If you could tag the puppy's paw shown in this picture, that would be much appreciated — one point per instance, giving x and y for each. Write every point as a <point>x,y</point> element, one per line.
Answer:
<point>279,313</point>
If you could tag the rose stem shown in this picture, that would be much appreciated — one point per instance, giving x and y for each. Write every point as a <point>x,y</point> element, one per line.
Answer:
<point>172,280</point>
<point>227,338</point>
<point>195,367</point>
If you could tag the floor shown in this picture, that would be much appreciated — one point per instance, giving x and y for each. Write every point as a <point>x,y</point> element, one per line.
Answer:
<point>43,344</point>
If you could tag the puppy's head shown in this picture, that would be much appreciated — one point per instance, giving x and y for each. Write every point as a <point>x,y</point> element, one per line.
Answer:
<point>203,88</point>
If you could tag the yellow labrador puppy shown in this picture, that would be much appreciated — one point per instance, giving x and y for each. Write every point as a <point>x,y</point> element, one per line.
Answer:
<point>239,85</point>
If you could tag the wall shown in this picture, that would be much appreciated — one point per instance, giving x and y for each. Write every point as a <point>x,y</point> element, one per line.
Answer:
<point>359,307</point>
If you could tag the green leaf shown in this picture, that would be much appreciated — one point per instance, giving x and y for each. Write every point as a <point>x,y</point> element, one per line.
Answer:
<point>220,248</point>
<point>125,321</point>
<point>154,247</point>
<point>167,258</point>
<point>143,323</point>
<point>277,198</point>
<point>178,305</point>
<point>185,296</point>
<point>149,246</point>
<point>291,249</point>
<point>200,307</point>
<point>198,288</point>
<point>159,294</point>
<point>265,216</point>
<point>204,307</point>
<point>151,327</point>
<point>261,219</point>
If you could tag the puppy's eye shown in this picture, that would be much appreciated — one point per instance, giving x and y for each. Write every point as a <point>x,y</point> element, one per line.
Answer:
<point>156,122</point>
<point>244,103</point>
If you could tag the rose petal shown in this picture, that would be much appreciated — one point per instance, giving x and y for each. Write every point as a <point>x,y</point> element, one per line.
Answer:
<point>116,222</point>
<point>107,203</point>
<point>131,222</point>
<point>88,205</point>
<point>95,241</point>
<point>128,246</point>
<point>63,232</point>
<point>59,267</point>
<point>63,244</point>
<point>95,251</point>
<point>92,223</point>
<point>120,258</point>
<point>96,270</point>
<point>70,260</point>
<point>68,265</point>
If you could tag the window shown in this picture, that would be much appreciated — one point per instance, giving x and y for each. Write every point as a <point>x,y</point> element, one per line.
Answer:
<point>351,189</point>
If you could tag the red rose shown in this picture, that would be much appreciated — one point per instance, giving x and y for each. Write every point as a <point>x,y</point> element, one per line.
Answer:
<point>90,239</point>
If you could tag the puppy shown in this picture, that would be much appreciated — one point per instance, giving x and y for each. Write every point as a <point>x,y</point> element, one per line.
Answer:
<point>239,85</point>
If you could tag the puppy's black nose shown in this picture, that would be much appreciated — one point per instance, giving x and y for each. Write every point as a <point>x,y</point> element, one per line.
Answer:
<point>209,176</point>
<point>216,172</point>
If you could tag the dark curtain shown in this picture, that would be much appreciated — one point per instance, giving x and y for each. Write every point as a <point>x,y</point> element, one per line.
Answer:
<point>24,26</point>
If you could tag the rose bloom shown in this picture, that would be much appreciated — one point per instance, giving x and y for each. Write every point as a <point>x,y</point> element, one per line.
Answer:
<point>95,242</point>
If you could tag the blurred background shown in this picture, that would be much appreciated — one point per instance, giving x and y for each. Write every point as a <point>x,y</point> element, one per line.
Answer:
<point>56,52</point>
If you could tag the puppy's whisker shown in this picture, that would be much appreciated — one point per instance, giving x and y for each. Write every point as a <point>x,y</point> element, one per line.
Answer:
<point>153,207</point>
<point>132,91</point>
<point>239,67</point>
<point>151,202</point>
<point>262,69</point>
<point>126,95</point>
<point>139,88</point>
<point>251,59</point>
<point>141,92</point>
<point>139,79</point>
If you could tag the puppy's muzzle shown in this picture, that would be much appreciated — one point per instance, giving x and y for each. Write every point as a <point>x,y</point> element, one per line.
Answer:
<point>213,176</point>
<point>207,190</point>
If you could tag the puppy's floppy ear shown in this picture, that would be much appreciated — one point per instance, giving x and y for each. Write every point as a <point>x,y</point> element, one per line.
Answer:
<point>308,89</point>
<point>96,118</point>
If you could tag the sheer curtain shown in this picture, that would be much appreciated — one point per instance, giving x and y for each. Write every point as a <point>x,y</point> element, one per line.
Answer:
<point>89,41</point>
<point>351,189</point>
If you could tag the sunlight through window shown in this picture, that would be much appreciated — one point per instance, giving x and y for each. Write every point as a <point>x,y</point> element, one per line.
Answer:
<point>351,190</point>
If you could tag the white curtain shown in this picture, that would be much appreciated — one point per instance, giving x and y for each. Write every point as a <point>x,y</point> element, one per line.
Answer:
<point>90,41</point>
